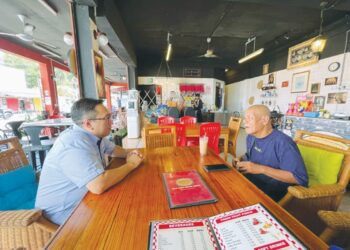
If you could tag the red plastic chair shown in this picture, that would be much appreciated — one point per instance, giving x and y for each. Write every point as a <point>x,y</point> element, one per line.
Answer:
<point>188,120</point>
<point>212,131</point>
<point>181,140</point>
<point>166,120</point>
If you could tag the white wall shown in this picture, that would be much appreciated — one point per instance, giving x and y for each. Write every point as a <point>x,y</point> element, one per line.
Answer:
<point>237,93</point>
<point>172,84</point>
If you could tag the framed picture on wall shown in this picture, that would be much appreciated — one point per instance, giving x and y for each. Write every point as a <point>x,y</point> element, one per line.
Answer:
<point>337,98</point>
<point>319,102</point>
<point>99,75</point>
<point>301,55</point>
<point>331,81</point>
<point>300,82</point>
<point>285,84</point>
<point>315,88</point>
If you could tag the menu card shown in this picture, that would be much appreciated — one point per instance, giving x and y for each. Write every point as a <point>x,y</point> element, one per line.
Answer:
<point>251,227</point>
<point>186,188</point>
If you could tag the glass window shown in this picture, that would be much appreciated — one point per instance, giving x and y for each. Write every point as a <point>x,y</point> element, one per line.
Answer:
<point>67,89</point>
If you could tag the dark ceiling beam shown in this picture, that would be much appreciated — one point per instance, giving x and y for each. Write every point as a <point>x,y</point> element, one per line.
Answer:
<point>109,20</point>
<point>343,5</point>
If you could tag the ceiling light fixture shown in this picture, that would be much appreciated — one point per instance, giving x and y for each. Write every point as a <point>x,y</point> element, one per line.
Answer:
<point>169,48</point>
<point>253,54</point>
<point>320,41</point>
<point>102,39</point>
<point>68,39</point>
<point>48,7</point>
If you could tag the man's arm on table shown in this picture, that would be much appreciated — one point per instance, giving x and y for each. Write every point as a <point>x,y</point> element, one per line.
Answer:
<point>112,176</point>
<point>249,167</point>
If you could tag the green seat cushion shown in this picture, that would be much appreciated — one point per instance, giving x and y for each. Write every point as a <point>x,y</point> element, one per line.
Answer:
<point>322,166</point>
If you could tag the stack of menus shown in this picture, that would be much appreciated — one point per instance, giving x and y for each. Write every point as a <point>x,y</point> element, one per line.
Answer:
<point>186,188</point>
<point>250,227</point>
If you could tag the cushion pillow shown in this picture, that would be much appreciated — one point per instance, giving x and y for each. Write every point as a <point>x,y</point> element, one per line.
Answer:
<point>322,166</point>
<point>18,189</point>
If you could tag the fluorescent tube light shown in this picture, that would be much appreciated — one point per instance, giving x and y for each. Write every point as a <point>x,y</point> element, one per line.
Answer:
<point>251,55</point>
<point>168,52</point>
<point>48,7</point>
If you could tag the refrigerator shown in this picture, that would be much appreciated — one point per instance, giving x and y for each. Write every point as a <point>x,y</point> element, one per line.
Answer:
<point>133,116</point>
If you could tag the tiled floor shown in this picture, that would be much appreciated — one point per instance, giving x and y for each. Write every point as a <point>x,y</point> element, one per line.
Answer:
<point>241,148</point>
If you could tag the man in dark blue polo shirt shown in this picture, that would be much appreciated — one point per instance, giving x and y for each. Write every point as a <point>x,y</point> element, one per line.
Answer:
<point>272,161</point>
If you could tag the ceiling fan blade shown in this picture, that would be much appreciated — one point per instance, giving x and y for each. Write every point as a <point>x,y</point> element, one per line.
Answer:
<point>7,34</point>
<point>46,50</point>
<point>22,18</point>
<point>42,43</point>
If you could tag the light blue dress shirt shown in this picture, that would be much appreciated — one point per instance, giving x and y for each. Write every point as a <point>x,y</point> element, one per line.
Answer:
<point>73,162</point>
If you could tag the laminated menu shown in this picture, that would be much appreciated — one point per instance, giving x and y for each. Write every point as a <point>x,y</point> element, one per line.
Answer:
<point>250,227</point>
<point>186,188</point>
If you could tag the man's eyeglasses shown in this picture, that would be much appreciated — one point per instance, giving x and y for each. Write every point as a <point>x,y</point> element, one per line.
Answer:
<point>108,117</point>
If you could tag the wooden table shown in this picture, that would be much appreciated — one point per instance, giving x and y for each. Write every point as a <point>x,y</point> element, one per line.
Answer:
<point>119,218</point>
<point>192,130</point>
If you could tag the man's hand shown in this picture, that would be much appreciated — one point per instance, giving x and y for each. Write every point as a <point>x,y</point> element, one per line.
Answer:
<point>249,167</point>
<point>134,158</point>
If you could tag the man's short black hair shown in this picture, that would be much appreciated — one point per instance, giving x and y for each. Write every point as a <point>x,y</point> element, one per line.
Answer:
<point>84,108</point>
<point>198,95</point>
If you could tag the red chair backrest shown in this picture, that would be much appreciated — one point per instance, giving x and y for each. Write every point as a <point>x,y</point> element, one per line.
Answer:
<point>212,131</point>
<point>180,135</point>
<point>188,120</point>
<point>166,120</point>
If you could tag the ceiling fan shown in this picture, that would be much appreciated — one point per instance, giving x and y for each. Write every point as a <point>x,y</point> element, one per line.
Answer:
<point>27,36</point>
<point>210,52</point>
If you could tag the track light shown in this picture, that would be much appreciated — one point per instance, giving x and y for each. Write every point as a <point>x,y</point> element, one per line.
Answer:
<point>253,54</point>
<point>169,49</point>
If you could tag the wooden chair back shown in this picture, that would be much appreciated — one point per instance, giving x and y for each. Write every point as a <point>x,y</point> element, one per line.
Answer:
<point>328,143</point>
<point>212,131</point>
<point>157,137</point>
<point>233,126</point>
<point>11,155</point>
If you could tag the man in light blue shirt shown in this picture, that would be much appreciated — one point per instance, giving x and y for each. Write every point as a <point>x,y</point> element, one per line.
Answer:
<point>76,163</point>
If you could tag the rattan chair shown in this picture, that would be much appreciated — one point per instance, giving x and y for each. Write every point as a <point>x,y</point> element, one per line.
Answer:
<point>21,229</point>
<point>157,137</point>
<point>338,225</point>
<point>305,202</point>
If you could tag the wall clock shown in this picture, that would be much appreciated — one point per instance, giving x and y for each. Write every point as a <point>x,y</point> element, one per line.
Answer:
<point>334,66</point>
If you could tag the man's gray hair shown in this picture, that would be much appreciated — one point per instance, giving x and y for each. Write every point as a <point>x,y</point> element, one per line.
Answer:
<point>84,109</point>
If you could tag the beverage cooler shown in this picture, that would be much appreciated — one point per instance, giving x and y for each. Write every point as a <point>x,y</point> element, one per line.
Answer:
<point>133,116</point>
